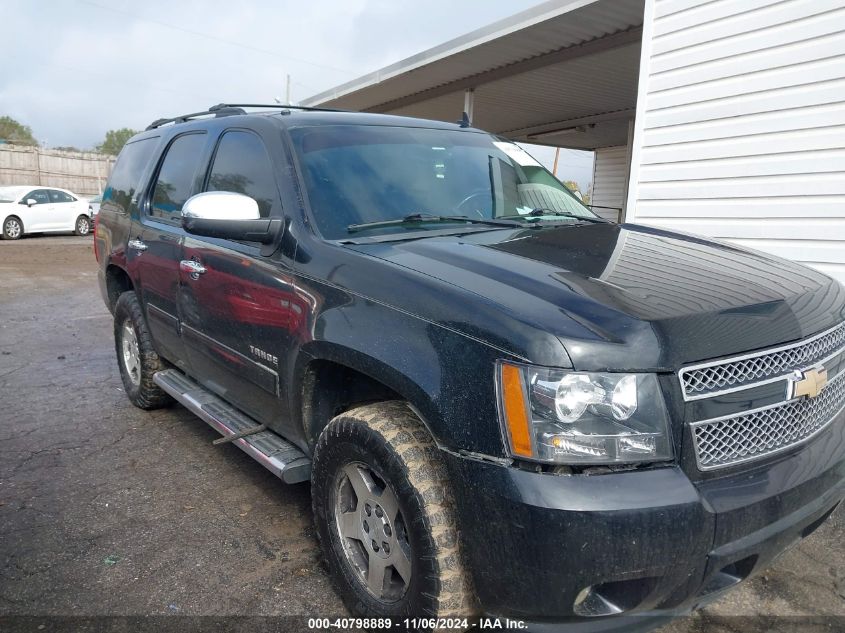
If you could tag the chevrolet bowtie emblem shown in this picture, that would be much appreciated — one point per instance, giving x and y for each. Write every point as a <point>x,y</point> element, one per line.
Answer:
<point>809,382</point>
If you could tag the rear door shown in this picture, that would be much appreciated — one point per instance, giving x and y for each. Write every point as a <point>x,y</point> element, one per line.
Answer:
<point>236,315</point>
<point>63,211</point>
<point>155,247</point>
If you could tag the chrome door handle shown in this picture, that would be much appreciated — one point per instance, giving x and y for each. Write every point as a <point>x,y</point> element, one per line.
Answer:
<point>138,245</point>
<point>194,268</point>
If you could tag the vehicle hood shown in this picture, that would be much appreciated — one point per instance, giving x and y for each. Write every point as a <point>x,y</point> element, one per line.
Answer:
<point>629,297</point>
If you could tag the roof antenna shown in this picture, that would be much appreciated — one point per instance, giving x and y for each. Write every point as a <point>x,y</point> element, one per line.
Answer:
<point>464,122</point>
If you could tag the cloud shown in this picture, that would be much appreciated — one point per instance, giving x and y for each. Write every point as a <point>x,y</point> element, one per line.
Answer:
<point>74,69</point>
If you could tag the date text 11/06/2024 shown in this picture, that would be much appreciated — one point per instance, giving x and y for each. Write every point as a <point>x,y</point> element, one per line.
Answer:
<point>413,624</point>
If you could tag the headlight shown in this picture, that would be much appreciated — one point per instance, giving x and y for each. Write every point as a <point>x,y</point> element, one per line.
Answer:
<point>567,417</point>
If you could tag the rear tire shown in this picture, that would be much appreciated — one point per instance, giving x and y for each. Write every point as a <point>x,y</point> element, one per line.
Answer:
<point>12,228</point>
<point>136,356</point>
<point>385,516</point>
<point>82,226</point>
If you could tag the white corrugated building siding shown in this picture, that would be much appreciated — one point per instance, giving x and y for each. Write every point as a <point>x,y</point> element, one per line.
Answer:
<point>610,177</point>
<point>740,127</point>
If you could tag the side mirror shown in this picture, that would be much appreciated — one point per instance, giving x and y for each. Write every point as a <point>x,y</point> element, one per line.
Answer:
<point>31,201</point>
<point>221,205</point>
<point>230,216</point>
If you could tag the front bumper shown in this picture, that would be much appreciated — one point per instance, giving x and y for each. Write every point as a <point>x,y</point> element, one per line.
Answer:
<point>650,543</point>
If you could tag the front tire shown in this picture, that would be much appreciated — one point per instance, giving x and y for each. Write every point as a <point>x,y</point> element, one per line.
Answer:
<point>12,228</point>
<point>82,226</point>
<point>136,356</point>
<point>385,516</point>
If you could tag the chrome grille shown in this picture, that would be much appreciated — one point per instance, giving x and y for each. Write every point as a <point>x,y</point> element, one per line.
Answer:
<point>708,379</point>
<point>759,433</point>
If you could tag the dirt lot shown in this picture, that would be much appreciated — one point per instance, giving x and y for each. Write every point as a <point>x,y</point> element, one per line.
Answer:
<point>108,510</point>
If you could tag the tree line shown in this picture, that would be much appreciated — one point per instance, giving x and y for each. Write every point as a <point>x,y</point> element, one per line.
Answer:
<point>16,133</point>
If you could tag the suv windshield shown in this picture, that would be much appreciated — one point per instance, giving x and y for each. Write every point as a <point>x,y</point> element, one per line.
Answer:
<point>358,175</point>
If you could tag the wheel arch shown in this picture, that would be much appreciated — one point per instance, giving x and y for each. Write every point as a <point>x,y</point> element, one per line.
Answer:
<point>118,281</point>
<point>334,379</point>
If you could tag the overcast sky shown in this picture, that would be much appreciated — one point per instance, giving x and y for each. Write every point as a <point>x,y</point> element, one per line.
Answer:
<point>73,69</point>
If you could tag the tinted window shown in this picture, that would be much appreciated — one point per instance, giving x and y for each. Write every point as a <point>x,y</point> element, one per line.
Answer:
<point>127,173</point>
<point>241,165</point>
<point>60,196</point>
<point>175,181</point>
<point>39,195</point>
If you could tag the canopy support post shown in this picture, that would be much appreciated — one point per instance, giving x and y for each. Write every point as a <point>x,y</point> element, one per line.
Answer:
<point>469,102</point>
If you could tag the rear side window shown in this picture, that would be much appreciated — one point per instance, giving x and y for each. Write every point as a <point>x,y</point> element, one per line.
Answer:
<point>126,176</point>
<point>60,196</point>
<point>241,165</point>
<point>175,180</point>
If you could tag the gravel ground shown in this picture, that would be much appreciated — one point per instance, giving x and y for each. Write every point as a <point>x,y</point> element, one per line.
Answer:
<point>109,510</point>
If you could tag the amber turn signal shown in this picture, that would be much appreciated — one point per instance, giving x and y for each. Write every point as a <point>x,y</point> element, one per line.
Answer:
<point>515,410</point>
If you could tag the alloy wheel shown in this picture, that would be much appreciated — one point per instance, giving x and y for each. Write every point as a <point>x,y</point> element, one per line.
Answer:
<point>131,355</point>
<point>13,228</point>
<point>373,532</point>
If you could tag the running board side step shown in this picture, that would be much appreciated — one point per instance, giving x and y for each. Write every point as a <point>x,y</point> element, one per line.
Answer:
<point>269,449</point>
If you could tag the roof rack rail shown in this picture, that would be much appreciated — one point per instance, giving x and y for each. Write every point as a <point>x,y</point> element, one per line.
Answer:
<point>217,111</point>
<point>230,109</point>
<point>271,106</point>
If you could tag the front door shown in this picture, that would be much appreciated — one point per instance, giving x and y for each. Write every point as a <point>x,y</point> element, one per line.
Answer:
<point>38,216</point>
<point>156,247</point>
<point>236,314</point>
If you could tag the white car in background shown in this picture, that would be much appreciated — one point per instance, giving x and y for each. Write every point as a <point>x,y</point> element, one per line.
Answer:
<point>42,210</point>
<point>94,204</point>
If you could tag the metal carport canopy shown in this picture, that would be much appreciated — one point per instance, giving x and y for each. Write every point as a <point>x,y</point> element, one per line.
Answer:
<point>562,73</point>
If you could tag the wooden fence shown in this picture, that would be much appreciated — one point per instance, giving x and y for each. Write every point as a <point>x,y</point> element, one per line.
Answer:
<point>84,173</point>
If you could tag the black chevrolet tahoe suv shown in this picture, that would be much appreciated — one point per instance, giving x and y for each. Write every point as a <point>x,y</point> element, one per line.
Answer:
<point>505,405</point>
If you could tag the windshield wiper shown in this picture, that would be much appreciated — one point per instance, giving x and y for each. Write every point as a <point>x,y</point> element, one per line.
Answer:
<point>418,218</point>
<point>586,218</point>
<point>540,211</point>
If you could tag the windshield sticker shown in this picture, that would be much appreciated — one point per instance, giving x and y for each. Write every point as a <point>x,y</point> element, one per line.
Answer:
<point>517,154</point>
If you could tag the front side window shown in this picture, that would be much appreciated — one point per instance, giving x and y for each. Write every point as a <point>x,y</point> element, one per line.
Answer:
<point>176,176</point>
<point>357,175</point>
<point>41,196</point>
<point>241,165</point>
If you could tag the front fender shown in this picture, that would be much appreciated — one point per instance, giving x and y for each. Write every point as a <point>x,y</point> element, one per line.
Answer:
<point>449,378</point>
